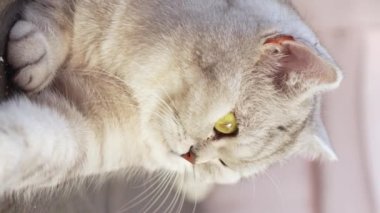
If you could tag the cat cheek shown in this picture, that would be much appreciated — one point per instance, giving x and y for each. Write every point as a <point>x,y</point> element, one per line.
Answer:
<point>314,141</point>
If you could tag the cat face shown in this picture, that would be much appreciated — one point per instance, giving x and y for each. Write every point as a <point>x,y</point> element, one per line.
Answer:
<point>264,81</point>
<point>271,108</point>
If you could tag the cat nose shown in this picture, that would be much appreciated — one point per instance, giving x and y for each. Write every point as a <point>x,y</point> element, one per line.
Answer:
<point>189,156</point>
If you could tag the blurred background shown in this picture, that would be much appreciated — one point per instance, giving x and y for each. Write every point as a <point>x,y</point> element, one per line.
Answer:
<point>350,30</point>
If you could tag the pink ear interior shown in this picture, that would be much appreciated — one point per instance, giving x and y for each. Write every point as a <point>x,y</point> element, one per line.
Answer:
<point>279,39</point>
<point>299,66</point>
<point>303,60</point>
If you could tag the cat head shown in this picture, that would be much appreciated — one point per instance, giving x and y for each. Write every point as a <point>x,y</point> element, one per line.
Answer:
<point>229,88</point>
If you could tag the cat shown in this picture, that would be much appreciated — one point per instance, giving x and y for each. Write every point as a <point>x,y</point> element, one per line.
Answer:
<point>212,91</point>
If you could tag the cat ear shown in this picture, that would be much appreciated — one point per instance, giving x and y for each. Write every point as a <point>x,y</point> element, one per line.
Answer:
<point>297,69</point>
<point>314,141</point>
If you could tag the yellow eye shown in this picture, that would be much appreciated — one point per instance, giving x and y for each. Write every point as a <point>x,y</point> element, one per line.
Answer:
<point>227,125</point>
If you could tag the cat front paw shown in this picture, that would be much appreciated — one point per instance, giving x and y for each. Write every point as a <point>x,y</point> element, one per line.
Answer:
<point>30,56</point>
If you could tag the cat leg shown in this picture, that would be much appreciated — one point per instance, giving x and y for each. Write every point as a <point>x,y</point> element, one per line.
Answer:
<point>39,42</point>
<point>39,145</point>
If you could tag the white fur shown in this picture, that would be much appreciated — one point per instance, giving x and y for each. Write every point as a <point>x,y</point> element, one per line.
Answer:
<point>33,136</point>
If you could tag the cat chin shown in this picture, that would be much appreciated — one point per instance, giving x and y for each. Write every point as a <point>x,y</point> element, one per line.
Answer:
<point>197,187</point>
<point>195,191</point>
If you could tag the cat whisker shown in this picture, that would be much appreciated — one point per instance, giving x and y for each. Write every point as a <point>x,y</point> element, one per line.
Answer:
<point>159,194</point>
<point>182,201</point>
<point>130,204</point>
<point>170,114</point>
<point>153,195</point>
<point>167,195</point>
<point>108,101</point>
<point>182,195</point>
<point>149,180</point>
<point>195,206</point>
<point>276,186</point>
<point>253,187</point>
<point>177,195</point>
<point>170,109</point>
<point>156,190</point>
<point>90,73</point>
<point>173,109</point>
<point>196,195</point>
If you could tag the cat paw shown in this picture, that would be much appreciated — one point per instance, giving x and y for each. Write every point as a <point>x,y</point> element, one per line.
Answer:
<point>30,57</point>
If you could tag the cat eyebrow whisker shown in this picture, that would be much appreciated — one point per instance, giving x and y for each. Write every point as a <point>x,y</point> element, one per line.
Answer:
<point>166,108</point>
<point>170,108</point>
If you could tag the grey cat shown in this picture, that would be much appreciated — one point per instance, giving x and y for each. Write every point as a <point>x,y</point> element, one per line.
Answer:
<point>210,91</point>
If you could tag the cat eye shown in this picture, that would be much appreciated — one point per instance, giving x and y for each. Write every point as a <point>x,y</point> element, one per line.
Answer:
<point>227,125</point>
